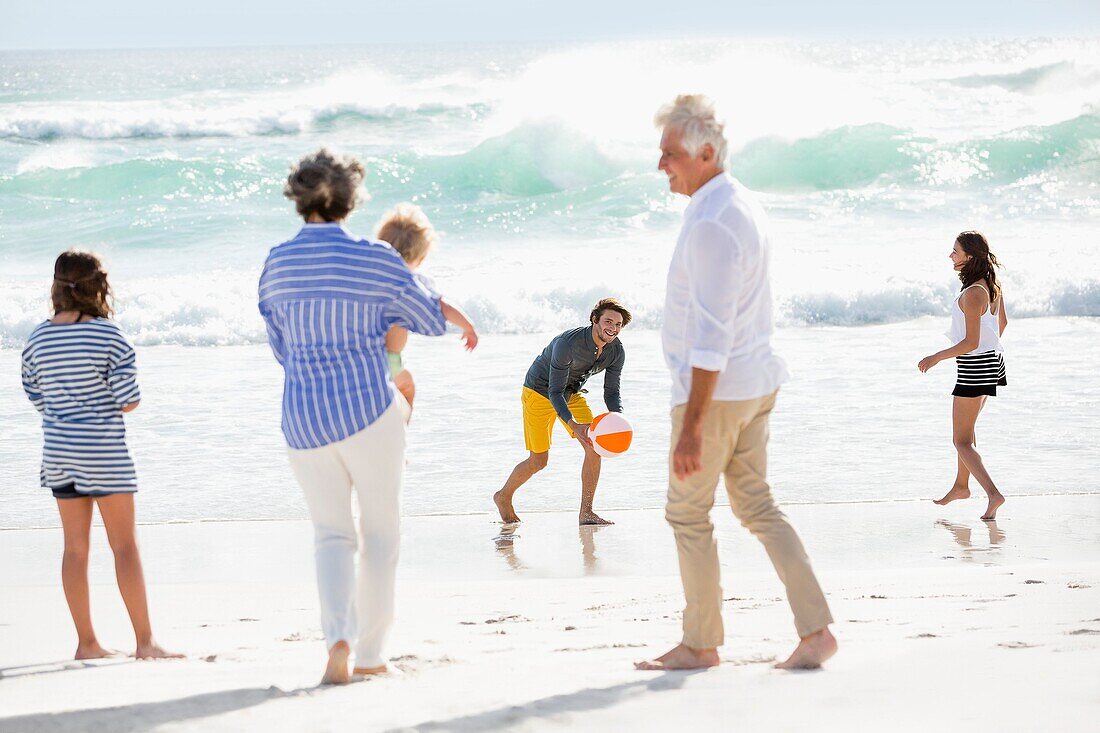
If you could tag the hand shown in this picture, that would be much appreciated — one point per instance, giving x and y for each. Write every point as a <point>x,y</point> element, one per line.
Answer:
<point>928,362</point>
<point>469,338</point>
<point>580,430</point>
<point>687,458</point>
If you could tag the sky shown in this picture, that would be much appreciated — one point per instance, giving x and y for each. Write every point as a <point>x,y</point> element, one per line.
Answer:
<point>59,24</point>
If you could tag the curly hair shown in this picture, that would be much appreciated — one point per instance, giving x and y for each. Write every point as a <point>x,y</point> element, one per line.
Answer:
<point>80,284</point>
<point>609,304</point>
<point>325,184</point>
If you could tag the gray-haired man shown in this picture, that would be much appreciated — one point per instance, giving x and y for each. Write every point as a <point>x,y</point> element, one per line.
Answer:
<point>716,339</point>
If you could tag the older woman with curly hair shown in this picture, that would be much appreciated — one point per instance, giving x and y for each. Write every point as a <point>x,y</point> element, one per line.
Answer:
<point>328,298</point>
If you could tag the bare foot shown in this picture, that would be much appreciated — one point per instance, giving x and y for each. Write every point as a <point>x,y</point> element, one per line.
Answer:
<point>152,650</point>
<point>812,651</point>
<point>504,506</point>
<point>336,671</point>
<point>957,492</point>
<point>995,501</point>
<point>368,671</point>
<point>590,518</point>
<point>681,657</point>
<point>94,651</point>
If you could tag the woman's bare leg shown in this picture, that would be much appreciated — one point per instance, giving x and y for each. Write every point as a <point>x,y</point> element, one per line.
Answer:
<point>961,488</point>
<point>964,416</point>
<point>117,511</point>
<point>76,521</point>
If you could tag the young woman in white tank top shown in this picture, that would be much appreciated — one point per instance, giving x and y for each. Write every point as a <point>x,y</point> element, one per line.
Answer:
<point>977,321</point>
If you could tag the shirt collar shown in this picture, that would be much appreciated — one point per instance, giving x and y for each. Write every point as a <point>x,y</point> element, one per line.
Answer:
<point>721,180</point>
<point>324,226</point>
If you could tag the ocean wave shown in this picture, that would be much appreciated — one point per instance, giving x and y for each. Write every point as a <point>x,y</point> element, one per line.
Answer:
<point>855,157</point>
<point>359,95</point>
<point>544,157</point>
<point>220,311</point>
<point>1045,79</point>
<point>531,160</point>
<point>154,120</point>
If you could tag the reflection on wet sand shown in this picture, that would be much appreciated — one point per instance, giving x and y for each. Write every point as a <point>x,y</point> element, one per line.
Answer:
<point>962,536</point>
<point>588,545</point>
<point>505,543</point>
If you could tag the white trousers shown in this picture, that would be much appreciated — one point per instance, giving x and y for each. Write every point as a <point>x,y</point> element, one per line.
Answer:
<point>356,607</point>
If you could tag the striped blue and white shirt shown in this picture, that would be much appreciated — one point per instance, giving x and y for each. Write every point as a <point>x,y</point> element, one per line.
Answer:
<point>328,298</point>
<point>79,376</point>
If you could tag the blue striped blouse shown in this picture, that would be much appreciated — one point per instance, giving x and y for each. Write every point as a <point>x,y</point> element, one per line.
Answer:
<point>328,298</point>
<point>79,376</point>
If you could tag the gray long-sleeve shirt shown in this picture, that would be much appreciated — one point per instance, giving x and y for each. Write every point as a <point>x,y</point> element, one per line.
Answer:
<point>563,367</point>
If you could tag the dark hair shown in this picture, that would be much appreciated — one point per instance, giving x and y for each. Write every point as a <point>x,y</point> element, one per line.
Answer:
<point>80,284</point>
<point>609,304</point>
<point>980,268</point>
<point>325,184</point>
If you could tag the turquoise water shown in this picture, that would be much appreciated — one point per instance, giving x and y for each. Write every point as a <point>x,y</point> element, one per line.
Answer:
<point>537,164</point>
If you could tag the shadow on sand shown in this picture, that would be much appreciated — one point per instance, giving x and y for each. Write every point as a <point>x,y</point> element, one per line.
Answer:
<point>148,715</point>
<point>555,706</point>
<point>65,665</point>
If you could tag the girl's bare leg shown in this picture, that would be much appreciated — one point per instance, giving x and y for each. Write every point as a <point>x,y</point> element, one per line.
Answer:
<point>117,511</point>
<point>961,488</point>
<point>76,521</point>
<point>964,415</point>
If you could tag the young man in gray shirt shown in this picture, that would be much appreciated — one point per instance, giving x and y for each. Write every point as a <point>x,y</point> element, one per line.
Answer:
<point>553,390</point>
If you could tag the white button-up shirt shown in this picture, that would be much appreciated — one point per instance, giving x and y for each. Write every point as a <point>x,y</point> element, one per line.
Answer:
<point>718,301</point>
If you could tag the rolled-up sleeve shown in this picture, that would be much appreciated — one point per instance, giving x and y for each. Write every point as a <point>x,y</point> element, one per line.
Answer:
<point>611,379</point>
<point>561,358</point>
<point>122,373</point>
<point>30,384</point>
<point>417,308</point>
<point>713,261</point>
<point>275,339</point>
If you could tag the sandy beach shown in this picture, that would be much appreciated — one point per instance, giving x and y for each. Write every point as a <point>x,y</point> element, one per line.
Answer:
<point>537,163</point>
<point>943,620</point>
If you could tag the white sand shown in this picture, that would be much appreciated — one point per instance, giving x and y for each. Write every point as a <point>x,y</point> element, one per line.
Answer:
<point>943,625</point>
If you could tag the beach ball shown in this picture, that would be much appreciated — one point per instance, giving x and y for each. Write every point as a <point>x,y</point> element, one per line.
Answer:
<point>610,434</point>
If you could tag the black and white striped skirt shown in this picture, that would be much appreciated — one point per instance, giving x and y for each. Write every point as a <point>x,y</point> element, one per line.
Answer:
<point>979,374</point>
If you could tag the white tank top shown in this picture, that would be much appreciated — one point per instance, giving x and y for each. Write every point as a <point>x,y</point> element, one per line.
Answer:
<point>989,337</point>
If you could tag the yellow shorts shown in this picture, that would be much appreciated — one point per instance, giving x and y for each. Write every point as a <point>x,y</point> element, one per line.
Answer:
<point>539,417</point>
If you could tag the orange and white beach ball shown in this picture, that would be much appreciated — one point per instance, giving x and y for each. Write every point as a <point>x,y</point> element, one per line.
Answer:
<point>611,434</point>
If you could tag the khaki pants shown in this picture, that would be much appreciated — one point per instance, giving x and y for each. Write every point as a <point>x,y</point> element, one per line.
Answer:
<point>735,439</point>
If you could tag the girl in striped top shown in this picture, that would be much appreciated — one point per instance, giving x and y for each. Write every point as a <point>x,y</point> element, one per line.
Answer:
<point>978,320</point>
<point>78,371</point>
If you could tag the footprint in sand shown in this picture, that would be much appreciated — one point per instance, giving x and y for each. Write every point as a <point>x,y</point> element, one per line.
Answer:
<point>1032,582</point>
<point>599,646</point>
<point>1078,586</point>
<point>503,619</point>
<point>1017,645</point>
<point>1080,632</point>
